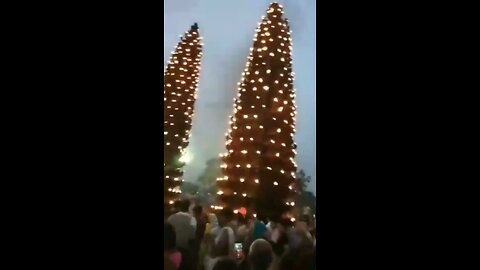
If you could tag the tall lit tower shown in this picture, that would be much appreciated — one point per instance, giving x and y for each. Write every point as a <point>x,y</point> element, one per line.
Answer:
<point>259,168</point>
<point>179,90</point>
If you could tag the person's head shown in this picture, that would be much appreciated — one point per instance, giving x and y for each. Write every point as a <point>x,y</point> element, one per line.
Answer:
<point>197,211</point>
<point>225,216</point>
<point>226,263</point>
<point>176,206</point>
<point>183,205</point>
<point>212,219</point>
<point>169,237</point>
<point>299,240</point>
<point>260,255</point>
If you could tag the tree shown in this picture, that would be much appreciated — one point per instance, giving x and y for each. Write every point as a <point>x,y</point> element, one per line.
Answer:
<point>180,86</point>
<point>302,181</point>
<point>259,168</point>
<point>304,198</point>
<point>307,199</point>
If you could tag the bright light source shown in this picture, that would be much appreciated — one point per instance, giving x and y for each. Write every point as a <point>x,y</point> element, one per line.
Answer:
<point>186,158</point>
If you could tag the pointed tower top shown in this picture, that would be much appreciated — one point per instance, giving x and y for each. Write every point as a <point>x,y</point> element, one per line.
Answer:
<point>276,5</point>
<point>194,27</point>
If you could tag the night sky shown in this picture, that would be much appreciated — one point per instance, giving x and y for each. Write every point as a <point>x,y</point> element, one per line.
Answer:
<point>227,28</point>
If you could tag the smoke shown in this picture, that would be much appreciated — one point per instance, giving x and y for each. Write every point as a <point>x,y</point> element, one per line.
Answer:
<point>228,28</point>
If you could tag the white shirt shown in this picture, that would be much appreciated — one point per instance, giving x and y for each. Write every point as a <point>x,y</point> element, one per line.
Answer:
<point>185,226</point>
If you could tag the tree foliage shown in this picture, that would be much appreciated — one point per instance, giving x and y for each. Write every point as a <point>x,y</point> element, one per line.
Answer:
<point>302,181</point>
<point>305,198</point>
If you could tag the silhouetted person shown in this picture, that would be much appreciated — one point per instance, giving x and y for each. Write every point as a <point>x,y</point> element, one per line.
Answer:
<point>172,255</point>
<point>185,226</point>
<point>300,249</point>
<point>259,229</point>
<point>222,242</point>
<point>194,27</point>
<point>260,256</point>
<point>201,219</point>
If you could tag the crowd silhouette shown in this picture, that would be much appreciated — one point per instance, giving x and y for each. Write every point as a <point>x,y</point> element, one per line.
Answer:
<point>195,239</point>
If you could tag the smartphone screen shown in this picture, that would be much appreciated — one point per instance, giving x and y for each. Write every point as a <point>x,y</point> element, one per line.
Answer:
<point>239,251</point>
<point>238,247</point>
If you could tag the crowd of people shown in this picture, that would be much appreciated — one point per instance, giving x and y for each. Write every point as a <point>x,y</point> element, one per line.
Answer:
<point>197,240</point>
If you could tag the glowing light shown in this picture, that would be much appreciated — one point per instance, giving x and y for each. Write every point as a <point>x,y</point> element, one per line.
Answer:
<point>269,55</point>
<point>186,157</point>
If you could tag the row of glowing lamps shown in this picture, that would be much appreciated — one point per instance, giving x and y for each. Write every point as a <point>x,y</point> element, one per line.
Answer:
<point>236,211</point>
<point>186,158</point>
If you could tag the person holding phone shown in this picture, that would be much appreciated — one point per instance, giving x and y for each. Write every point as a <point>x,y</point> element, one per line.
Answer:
<point>239,251</point>
<point>260,256</point>
<point>223,243</point>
